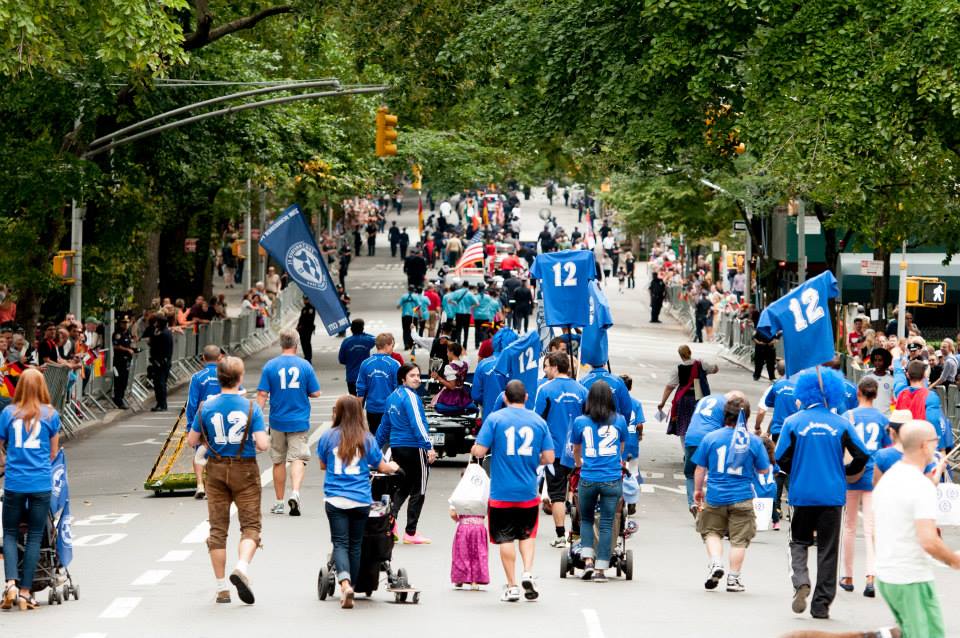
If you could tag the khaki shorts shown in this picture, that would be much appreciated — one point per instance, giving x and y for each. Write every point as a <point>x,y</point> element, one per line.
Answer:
<point>288,446</point>
<point>736,520</point>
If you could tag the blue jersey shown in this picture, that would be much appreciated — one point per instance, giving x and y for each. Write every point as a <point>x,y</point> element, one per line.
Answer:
<point>348,480</point>
<point>487,384</point>
<point>466,302</point>
<point>765,485</point>
<point>849,397</point>
<point>871,427</point>
<point>810,450</point>
<point>884,459</point>
<point>559,401</point>
<point>409,303</point>
<point>707,417</point>
<point>376,380</point>
<point>223,421</point>
<point>449,303</point>
<point>290,380</point>
<point>515,438</point>
<point>803,316</point>
<point>404,423</point>
<point>487,308</point>
<point>203,384</point>
<point>564,277</point>
<point>781,399</point>
<point>727,484</point>
<point>28,449</point>
<point>621,397</point>
<point>521,360</point>
<point>601,447</point>
<point>354,350</point>
<point>632,449</point>
<point>423,310</point>
<point>594,350</point>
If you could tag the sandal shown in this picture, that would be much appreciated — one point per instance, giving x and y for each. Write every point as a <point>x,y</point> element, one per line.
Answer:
<point>9,597</point>
<point>27,602</point>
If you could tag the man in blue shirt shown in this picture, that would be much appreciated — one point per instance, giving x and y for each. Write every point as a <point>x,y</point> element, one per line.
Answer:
<point>518,441</point>
<point>487,382</point>
<point>559,401</point>
<point>289,381</point>
<point>353,351</point>
<point>409,306</point>
<point>203,384</point>
<point>621,397</point>
<point>707,417</point>
<point>377,379</point>
<point>729,459</point>
<point>811,450</point>
<point>487,308</point>
<point>232,428</point>
<point>466,300</point>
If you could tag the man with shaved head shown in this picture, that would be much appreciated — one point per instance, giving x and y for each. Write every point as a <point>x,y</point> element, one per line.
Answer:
<point>905,504</point>
<point>203,384</point>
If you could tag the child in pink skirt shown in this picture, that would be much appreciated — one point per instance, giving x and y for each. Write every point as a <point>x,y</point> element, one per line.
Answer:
<point>470,564</point>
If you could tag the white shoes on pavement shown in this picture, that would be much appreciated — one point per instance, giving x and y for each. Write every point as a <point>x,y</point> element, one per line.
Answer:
<point>277,508</point>
<point>529,584</point>
<point>714,574</point>
<point>510,594</point>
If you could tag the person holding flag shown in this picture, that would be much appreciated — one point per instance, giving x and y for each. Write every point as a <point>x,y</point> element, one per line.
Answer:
<point>487,382</point>
<point>521,361</point>
<point>729,459</point>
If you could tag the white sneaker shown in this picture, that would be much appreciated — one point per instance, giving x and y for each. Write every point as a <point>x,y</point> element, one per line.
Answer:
<point>510,594</point>
<point>529,584</point>
<point>294,503</point>
<point>558,542</point>
<point>734,584</point>
<point>714,574</point>
<point>277,508</point>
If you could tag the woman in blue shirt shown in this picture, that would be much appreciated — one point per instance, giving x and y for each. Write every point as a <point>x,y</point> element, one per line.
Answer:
<point>30,436</point>
<point>348,452</point>
<point>598,438</point>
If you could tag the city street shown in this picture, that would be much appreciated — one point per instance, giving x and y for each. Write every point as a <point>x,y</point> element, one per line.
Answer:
<point>142,568</point>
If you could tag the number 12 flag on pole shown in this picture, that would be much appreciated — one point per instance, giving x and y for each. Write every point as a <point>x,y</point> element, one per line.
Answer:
<point>803,316</point>
<point>521,360</point>
<point>564,278</point>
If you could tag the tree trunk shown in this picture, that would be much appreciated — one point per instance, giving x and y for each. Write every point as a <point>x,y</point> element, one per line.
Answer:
<point>151,274</point>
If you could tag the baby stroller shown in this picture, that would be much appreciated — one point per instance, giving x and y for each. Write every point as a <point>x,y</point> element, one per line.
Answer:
<point>621,558</point>
<point>50,572</point>
<point>376,550</point>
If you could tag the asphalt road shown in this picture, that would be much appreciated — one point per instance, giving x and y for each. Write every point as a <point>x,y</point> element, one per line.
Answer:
<point>142,569</point>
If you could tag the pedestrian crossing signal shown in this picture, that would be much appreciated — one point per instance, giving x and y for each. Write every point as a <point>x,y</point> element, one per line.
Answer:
<point>63,266</point>
<point>934,293</point>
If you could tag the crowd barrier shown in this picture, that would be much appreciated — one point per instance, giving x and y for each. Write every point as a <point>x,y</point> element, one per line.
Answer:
<point>81,400</point>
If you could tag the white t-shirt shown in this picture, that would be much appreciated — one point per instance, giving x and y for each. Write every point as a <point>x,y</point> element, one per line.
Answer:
<point>903,496</point>
<point>885,396</point>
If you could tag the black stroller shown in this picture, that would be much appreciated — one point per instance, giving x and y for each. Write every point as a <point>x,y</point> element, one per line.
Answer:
<point>621,558</point>
<point>376,551</point>
<point>50,573</point>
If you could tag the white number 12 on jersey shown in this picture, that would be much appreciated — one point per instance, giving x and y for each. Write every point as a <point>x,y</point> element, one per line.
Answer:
<point>814,312</point>
<point>571,270</point>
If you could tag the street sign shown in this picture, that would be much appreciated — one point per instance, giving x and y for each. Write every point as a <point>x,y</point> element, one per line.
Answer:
<point>190,245</point>
<point>871,268</point>
<point>934,293</point>
<point>739,225</point>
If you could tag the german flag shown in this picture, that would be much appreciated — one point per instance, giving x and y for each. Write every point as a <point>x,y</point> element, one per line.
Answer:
<point>100,364</point>
<point>14,369</point>
<point>7,387</point>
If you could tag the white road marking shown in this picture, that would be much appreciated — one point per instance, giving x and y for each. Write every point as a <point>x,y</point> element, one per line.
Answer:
<point>198,534</point>
<point>150,441</point>
<point>121,607</point>
<point>90,635</point>
<point>175,556</point>
<point>318,433</point>
<point>652,475</point>
<point>151,577</point>
<point>592,619</point>
<point>98,540</point>
<point>650,488</point>
<point>678,476</point>
<point>106,519</point>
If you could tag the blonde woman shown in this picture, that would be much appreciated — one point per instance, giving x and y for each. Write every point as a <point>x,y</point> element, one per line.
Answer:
<point>30,436</point>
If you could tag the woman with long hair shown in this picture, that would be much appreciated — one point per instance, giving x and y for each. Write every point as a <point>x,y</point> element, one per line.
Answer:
<point>30,436</point>
<point>598,439</point>
<point>347,452</point>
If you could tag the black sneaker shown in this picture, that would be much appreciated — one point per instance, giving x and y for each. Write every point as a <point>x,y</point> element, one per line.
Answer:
<point>587,571</point>
<point>869,591</point>
<point>820,613</point>
<point>242,583</point>
<point>598,577</point>
<point>294,503</point>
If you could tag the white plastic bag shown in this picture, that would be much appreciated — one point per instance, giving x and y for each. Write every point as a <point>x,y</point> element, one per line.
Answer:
<point>472,492</point>
<point>948,504</point>
<point>763,508</point>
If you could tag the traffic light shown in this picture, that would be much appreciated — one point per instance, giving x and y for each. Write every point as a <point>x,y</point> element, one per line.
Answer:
<point>63,266</point>
<point>417,177</point>
<point>386,132</point>
<point>934,293</point>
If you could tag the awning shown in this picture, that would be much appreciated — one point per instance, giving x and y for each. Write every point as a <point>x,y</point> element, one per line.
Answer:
<point>853,284</point>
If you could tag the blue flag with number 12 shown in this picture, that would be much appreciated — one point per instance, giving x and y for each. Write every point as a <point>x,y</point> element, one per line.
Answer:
<point>521,360</point>
<point>803,316</point>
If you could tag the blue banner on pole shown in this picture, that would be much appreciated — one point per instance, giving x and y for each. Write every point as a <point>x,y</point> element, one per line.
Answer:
<point>594,350</point>
<point>290,242</point>
<point>60,509</point>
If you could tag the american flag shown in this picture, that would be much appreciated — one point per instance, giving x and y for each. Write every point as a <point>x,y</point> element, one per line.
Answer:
<point>472,254</point>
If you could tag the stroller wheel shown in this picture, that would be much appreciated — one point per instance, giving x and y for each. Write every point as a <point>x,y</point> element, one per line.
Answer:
<point>65,592</point>
<point>322,586</point>
<point>628,565</point>
<point>564,564</point>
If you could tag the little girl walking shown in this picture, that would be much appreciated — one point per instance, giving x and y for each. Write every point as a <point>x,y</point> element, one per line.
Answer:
<point>468,507</point>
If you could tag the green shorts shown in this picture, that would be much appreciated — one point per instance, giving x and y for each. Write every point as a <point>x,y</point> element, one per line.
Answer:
<point>736,520</point>
<point>915,607</point>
